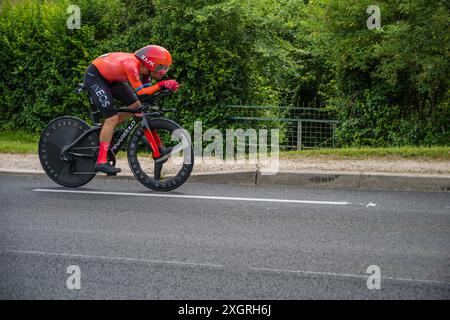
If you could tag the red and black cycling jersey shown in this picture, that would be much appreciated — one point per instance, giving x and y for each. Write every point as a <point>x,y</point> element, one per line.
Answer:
<point>123,67</point>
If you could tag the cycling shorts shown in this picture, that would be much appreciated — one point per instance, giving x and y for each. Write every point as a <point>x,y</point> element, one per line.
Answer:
<point>102,92</point>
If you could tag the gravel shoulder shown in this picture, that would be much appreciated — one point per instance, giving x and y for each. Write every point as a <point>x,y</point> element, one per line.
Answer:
<point>304,164</point>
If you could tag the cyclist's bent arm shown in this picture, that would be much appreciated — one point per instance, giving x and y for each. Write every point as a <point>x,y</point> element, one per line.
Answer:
<point>133,77</point>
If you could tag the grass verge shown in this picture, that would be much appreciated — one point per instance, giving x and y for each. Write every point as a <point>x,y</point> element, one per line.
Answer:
<point>18,142</point>
<point>23,142</point>
<point>437,152</point>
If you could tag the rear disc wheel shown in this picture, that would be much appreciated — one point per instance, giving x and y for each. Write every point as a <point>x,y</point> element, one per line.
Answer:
<point>58,134</point>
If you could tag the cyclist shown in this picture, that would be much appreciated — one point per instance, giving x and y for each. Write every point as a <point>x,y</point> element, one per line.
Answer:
<point>110,76</point>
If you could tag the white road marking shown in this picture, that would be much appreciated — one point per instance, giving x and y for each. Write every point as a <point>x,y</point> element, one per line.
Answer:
<point>347,275</point>
<point>72,255</point>
<point>193,197</point>
<point>220,266</point>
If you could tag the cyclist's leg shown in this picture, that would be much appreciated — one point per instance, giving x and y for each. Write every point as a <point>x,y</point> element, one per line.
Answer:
<point>100,92</point>
<point>122,91</point>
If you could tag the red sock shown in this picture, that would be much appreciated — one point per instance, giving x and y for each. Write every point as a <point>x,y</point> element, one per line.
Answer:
<point>103,152</point>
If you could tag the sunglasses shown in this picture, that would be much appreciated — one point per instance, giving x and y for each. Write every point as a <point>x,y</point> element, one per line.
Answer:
<point>161,69</point>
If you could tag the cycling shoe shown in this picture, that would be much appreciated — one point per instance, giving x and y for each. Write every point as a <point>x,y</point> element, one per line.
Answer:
<point>106,168</point>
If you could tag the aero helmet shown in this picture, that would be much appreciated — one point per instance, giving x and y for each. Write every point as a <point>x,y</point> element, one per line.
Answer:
<point>155,58</point>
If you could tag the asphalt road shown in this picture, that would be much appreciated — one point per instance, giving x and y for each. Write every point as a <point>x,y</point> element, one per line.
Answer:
<point>206,241</point>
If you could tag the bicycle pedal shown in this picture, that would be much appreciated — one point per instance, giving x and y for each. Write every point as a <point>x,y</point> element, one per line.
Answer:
<point>111,174</point>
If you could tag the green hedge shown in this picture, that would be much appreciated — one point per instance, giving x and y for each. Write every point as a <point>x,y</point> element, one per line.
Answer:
<point>41,60</point>
<point>391,85</point>
<point>387,86</point>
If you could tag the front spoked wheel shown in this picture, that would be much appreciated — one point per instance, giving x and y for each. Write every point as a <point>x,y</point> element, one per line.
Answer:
<point>175,164</point>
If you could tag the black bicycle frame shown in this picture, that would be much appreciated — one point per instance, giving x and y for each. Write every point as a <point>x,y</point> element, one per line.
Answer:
<point>123,138</point>
<point>118,144</point>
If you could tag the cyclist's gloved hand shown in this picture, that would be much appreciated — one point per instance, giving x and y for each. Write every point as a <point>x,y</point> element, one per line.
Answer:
<point>169,84</point>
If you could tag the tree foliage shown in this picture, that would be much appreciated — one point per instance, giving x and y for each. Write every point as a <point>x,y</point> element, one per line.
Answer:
<point>388,86</point>
<point>392,84</point>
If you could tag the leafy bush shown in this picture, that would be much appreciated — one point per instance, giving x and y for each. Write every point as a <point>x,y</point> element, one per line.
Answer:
<point>392,84</point>
<point>41,60</point>
<point>387,86</point>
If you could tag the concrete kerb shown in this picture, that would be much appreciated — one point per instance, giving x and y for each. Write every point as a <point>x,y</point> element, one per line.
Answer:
<point>404,182</point>
<point>310,179</point>
<point>335,180</point>
<point>364,181</point>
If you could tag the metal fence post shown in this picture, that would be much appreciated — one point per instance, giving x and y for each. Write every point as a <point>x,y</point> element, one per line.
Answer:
<point>334,134</point>
<point>299,134</point>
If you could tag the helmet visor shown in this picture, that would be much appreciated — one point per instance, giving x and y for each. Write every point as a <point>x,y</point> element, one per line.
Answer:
<point>161,69</point>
